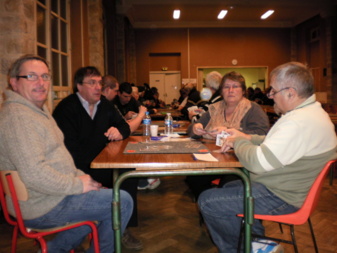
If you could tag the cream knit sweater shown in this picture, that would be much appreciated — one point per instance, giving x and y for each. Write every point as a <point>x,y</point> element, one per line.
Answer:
<point>32,144</point>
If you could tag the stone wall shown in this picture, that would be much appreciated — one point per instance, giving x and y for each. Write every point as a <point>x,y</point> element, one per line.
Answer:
<point>17,34</point>
<point>96,38</point>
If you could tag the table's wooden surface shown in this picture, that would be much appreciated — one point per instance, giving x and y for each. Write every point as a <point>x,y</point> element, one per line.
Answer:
<point>112,157</point>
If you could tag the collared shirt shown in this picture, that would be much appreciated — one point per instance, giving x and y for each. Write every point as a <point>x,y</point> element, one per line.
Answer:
<point>85,104</point>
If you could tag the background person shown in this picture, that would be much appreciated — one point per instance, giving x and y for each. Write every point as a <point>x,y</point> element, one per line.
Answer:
<point>192,98</point>
<point>212,80</point>
<point>283,164</point>
<point>234,111</point>
<point>32,144</point>
<point>125,102</point>
<point>110,91</point>
<point>110,87</point>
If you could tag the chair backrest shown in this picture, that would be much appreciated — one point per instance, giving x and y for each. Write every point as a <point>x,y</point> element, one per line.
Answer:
<point>311,200</point>
<point>20,188</point>
<point>3,203</point>
<point>10,182</point>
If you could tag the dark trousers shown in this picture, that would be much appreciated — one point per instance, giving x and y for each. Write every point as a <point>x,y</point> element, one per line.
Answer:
<point>198,184</point>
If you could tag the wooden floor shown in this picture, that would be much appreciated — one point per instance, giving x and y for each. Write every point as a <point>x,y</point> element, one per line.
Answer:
<point>169,223</point>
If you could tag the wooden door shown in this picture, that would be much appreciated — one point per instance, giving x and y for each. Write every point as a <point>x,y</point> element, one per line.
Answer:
<point>168,84</point>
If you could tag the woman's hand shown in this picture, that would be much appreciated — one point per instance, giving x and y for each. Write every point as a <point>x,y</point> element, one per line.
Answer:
<point>214,132</point>
<point>198,129</point>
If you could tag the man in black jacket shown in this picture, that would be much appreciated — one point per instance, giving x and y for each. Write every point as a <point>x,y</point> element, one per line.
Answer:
<point>89,121</point>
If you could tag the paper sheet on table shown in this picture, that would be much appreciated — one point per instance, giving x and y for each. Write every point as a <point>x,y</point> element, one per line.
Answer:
<point>175,138</point>
<point>205,157</point>
<point>174,135</point>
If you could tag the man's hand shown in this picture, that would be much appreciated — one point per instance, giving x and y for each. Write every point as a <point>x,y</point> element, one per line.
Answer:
<point>130,115</point>
<point>142,111</point>
<point>89,184</point>
<point>113,134</point>
<point>228,143</point>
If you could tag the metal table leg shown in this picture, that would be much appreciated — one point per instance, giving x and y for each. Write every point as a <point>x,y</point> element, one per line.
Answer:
<point>248,204</point>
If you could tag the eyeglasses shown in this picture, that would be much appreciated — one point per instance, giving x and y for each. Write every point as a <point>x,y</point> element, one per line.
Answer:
<point>233,87</point>
<point>35,77</point>
<point>272,92</point>
<point>92,83</point>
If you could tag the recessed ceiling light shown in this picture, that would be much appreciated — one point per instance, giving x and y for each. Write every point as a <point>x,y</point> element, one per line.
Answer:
<point>176,14</point>
<point>267,14</point>
<point>222,14</point>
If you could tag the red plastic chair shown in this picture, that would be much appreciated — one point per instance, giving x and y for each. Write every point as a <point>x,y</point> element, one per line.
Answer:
<point>8,184</point>
<point>302,215</point>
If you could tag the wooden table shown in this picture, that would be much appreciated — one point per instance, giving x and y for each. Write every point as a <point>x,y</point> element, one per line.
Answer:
<point>158,165</point>
<point>179,126</point>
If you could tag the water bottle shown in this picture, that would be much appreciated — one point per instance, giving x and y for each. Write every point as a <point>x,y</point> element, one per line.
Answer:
<point>168,124</point>
<point>146,126</point>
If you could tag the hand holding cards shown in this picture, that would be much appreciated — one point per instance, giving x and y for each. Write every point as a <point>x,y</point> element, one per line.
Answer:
<point>220,138</point>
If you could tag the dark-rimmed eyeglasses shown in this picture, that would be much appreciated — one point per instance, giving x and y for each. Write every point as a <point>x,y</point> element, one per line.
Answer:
<point>273,92</point>
<point>35,77</point>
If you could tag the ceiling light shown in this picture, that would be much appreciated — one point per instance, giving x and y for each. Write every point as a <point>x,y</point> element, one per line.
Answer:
<point>267,14</point>
<point>222,14</point>
<point>176,14</point>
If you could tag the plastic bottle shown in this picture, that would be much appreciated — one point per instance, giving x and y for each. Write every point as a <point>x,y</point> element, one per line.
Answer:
<point>146,126</point>
<point>168,124</point>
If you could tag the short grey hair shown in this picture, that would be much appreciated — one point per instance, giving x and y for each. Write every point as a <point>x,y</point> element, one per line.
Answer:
<point>295,75</point>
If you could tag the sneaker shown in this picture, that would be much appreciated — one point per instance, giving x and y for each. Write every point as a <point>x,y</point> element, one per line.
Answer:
<point>153,183</point>
<point>130,242</point>
<point>266,246</point>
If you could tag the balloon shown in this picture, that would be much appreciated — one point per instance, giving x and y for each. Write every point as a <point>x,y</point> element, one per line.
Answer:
<point>205,94</point>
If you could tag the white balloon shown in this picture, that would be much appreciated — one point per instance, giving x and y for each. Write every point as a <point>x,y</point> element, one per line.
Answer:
<point>205,94</point>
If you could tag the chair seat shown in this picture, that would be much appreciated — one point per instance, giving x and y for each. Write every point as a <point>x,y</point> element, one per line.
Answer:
<point>292,218</point>
<point>56,228</point>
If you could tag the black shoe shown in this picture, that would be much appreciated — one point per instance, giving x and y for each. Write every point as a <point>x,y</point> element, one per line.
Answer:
<point>130,242</point>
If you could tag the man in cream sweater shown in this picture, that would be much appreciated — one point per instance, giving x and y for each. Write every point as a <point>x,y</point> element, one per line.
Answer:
<point>32,144</point>
<point>283,164</point>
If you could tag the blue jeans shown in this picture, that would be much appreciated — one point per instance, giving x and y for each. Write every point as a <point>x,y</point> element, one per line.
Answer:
<point>219,207</point>
<point>94,206</point>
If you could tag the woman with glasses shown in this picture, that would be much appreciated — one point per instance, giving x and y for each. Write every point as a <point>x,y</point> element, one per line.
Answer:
<point>234,111</point>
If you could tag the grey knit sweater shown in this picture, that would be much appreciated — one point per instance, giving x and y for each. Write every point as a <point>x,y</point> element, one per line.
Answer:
<point>32,144</point>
